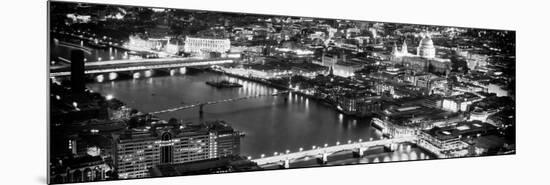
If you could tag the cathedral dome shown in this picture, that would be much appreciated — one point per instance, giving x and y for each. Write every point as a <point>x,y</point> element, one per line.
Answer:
<point>426,42</point>
<point>426,48</point>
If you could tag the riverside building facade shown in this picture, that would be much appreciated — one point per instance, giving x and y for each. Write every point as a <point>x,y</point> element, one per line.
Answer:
<point>141,149</point>
<point>201,45</point>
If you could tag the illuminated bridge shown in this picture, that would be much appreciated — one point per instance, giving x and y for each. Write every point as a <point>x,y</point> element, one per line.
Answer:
<point>322,153</point>
<point>114,66</point>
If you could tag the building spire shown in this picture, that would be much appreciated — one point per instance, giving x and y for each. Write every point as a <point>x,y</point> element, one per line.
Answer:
<point>404,48</point>
<point>394,51</point>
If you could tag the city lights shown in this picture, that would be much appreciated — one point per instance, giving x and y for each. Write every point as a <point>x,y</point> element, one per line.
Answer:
<point>109,97</point>
<point>187,82</point>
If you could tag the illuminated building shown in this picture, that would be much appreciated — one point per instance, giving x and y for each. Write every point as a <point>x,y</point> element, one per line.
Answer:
<point>136,42</point>
<point>480,114</point>
<point>450,139</point>
<point>409,116</point>
<point>489,106</point>
<point>474,61</point>
<point>359,104</point>
<point>173,48</point>
<point>384,87</point>
<point>498,89</point>
<point>201,45</point>
<point>317,35</point>
<point>79,18</point>
<point>227,139</point>
<point>426,48</point>
<point>139,150</point>
<point>424,60</point>
<point>459,103</point>
<point>80,169</point>
<point>400,53</point>
<point>257,73</point>
<point>431,83</point>
<point>341,67</point>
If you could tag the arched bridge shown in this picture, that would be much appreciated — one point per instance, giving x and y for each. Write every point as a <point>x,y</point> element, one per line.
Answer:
<point>323,152</point>
<point>140,64</point>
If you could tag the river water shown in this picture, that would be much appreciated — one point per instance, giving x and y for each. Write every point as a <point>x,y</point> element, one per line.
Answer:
<point>271,123</point>
<point>61,53</point>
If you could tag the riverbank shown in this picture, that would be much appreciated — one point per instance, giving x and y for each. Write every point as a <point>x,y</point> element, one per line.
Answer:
<point>323,101</point>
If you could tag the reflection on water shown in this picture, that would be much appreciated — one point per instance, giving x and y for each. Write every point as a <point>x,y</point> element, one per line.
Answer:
<point>95,55</point>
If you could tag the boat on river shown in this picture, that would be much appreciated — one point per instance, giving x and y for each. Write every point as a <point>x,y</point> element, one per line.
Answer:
<point>223,84</point>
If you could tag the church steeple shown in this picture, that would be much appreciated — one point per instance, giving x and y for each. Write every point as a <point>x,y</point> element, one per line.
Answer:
<point>404,48</point>
<point>394,51</point>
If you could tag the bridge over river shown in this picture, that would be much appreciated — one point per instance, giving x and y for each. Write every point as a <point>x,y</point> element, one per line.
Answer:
<point>114,66</point>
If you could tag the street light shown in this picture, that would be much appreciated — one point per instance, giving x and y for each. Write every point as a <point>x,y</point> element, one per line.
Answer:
<point>301,149</point>
<point>337,142</point>
<point>262,156</point>
<point>326,145</point>
<point>349,141</point>
<point>360,140</point>
<point>287,151</point>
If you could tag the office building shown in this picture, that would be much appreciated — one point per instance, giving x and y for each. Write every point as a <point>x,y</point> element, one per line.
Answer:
<point>140,149</point>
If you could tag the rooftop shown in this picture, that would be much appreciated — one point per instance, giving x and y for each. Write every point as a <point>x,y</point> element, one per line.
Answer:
<point>460,129</point>
<point>216,165</point>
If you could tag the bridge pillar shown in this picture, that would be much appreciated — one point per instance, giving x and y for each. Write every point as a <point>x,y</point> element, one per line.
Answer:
<point>286,163</point>
<point>173,72</point>
<point>113,76</point>
<point>359,152</point>
<point>148,73</point>
<point>390,147</point>
<point>183,70</point>
<point>136,75</point>
<point>323,159</point>
<point>100,78</point>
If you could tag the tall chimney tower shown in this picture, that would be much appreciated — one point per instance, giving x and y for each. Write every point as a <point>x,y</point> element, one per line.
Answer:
<point>77,71</point>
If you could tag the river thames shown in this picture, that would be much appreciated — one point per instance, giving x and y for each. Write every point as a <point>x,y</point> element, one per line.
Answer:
<point>271,123</point>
